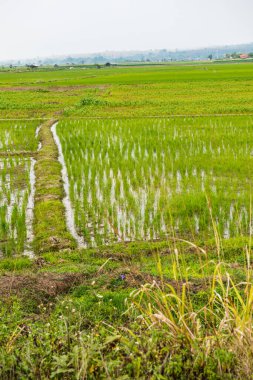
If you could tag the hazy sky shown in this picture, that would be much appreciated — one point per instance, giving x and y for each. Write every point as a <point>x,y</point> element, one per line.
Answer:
<point>31,28</point>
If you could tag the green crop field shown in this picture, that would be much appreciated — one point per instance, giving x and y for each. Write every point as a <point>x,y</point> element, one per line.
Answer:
<point>17,140</point>
<point>128,91</point>
<point>126,222</point>
<point>18,136</point>
<point>146,179</point>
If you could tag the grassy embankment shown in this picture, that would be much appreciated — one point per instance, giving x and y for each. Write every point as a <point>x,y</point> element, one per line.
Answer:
<point>89,314</point>
<point>49,225</point>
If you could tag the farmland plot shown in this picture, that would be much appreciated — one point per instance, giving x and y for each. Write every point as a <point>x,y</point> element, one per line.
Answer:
<point>147,179</point>
<point>17,137</point>
<point>16,186</point>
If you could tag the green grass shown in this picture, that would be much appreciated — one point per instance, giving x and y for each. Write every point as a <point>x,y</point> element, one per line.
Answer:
<point>49,214</point>
<point>92,330</point>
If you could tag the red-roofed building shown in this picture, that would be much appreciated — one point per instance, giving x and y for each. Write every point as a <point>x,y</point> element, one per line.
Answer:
<point>244,56</point>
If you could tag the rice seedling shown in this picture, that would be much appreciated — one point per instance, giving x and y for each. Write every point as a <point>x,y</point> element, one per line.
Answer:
<point>17,185</point>
<point>14,193</point>
<point>18,136</point>
<point>147,179</point>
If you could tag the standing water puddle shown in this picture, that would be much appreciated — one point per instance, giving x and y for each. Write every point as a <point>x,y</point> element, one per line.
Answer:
<point>30,213</point>
<point>30,204</point>
<point>70,219</point>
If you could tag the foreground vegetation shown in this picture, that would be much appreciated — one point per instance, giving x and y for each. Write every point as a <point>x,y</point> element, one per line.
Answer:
<point>163,289</point>
<point>140,311</point>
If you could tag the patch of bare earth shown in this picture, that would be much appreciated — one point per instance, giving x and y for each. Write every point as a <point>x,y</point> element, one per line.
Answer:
<point>43,285</point>
<point>132,277</point>
<point>51,88</point>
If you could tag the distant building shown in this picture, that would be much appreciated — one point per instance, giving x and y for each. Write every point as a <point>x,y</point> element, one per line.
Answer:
<point>244,56</point>
<point>32,66</point>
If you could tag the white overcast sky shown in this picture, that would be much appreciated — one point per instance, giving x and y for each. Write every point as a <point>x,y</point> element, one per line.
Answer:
<point>32,28</point>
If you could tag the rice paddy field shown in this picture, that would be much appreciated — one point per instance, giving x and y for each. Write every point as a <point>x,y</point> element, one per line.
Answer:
<point>17,136</point>
<point>16,181</point>
<point>126,222</point>
<point>147,179</point>
<point>152,90</point>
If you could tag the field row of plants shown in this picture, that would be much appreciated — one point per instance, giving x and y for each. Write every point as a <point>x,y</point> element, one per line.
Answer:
<point>146,179</point>
<point>18,136</point>
<point>16,186</point>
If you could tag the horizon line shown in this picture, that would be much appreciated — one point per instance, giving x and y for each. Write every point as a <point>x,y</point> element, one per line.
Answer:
<point>104,52</point>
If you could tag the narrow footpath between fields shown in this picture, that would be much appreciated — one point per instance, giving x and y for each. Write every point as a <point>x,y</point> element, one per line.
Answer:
<point>50,229</point>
